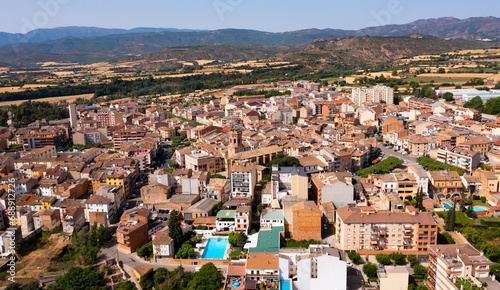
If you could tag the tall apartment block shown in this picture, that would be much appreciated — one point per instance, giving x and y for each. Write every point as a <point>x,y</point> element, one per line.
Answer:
<point>72,115</point>
<point>375,94</point>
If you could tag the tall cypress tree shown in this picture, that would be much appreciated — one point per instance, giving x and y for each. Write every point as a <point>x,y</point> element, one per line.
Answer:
<point>452,217</point>
<point>174,228</point>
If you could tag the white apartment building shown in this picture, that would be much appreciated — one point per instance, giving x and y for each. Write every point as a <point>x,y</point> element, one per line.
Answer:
<point>458,157</point>
<point>375,94</point>
<point>447,262</point>
<point>100,204</point>
<point>243,180</point>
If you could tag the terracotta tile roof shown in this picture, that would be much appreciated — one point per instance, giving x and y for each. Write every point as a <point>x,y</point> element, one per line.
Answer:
<point>354,215</point>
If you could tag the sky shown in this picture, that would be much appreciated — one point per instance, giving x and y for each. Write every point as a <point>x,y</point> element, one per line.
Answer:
<point>21,16</point>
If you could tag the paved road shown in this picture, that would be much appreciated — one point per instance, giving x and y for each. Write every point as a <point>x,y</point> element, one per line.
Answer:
<point>390,152</point>
<point>130,261</point>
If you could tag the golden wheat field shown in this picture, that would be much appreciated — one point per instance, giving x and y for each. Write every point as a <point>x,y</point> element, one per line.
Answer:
<point>69,99</point>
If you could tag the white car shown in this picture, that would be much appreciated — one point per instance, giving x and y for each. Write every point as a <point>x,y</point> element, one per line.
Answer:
<point>349,264</point>
<point>404,153</point>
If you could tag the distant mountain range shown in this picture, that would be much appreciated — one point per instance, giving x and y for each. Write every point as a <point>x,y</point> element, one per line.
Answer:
<point>90,44</point>
<point>41,35</point>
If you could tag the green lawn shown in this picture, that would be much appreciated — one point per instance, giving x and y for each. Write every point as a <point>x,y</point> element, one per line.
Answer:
<point>479,202</point>
<point>462,219</point>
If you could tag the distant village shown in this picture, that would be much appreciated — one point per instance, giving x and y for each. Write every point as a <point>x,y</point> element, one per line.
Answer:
<point>296,191</point>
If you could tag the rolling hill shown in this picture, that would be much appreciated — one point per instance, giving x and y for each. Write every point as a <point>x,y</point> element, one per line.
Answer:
<point>371,50</point>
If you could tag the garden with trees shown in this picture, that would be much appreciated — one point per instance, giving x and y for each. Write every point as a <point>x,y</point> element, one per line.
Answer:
<point>384,166</point>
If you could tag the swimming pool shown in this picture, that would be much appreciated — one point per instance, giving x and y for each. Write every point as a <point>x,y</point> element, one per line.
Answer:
<point>446,205</point>
<point>479,208</point>
<point>285,285</point>
<point>215,249</point>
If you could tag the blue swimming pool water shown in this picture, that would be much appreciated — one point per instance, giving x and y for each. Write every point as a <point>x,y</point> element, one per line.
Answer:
<point>479,208</point>
<point>215,249</point>
<point>446,205</point>
<point>285,285</point>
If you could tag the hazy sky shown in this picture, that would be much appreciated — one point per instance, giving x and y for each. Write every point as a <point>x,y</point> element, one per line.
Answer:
<point>268,15</point>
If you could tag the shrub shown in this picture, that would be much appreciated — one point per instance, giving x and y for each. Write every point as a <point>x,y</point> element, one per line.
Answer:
<point>411,258</point>
<point>398,258</point>
<point>370,270</point>
<point>383,259</point>
<point>420,270</point>
<point>354,257</point>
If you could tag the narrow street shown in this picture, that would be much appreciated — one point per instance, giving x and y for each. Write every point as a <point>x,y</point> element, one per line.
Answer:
<point>130,261</point>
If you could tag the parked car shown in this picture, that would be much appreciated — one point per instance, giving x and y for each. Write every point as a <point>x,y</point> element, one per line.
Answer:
<point>404,153</point>
<point>349,264</point>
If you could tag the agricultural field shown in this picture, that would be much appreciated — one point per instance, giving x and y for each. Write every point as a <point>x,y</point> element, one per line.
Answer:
<point>68,99</point>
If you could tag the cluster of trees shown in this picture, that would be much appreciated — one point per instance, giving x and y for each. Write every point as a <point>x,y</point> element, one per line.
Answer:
<point>434,165</point>
<point>384,166</point>
<point>85,245</point>
<point>484,240</point>
<point>419,200</point>
<point>146,251</point>
<point>237,239</point>
<point>79,278</point>
<point>28,112</point>
<point>208,278</point>
<point>396,258</point>
<point>392,83</point>
<point>282,161</point>
<point>475,82</point>
<point>182,242</point>
<point>492,106</point>
<point>448,96</point>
